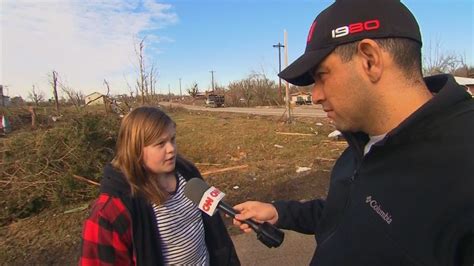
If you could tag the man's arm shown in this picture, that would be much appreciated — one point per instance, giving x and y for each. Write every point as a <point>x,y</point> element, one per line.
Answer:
<point>302,217</point>
<point>299,216</point>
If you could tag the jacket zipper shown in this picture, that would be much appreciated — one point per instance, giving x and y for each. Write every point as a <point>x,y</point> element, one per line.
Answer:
<point>346,207</point>
<point>348,201</point>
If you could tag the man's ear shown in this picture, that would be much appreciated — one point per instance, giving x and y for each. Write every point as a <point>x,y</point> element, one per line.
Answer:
<point>371,57</point>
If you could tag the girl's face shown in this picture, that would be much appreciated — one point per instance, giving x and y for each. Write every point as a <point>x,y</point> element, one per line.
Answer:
<point>160,157</point>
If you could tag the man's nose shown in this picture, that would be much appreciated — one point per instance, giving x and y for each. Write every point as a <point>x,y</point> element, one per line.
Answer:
<point>317,94</point>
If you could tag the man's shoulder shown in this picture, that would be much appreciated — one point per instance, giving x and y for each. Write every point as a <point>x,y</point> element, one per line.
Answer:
<point>457,119</point>
<point>465,107</point>
<point>460,118</point>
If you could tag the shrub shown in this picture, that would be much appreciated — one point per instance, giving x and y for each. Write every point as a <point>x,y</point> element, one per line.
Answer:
<point>38,166</point>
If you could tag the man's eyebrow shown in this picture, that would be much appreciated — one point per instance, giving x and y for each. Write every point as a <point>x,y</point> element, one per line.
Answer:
<point>321,68</point>
<point>316,70</point>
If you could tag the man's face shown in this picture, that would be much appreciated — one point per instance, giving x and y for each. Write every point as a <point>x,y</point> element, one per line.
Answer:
<point>342,92</point>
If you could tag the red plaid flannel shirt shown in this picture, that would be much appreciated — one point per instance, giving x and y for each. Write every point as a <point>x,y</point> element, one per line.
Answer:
<point>107,234</point>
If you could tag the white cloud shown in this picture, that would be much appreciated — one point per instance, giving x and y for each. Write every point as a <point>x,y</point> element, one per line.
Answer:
<point>84,41</point>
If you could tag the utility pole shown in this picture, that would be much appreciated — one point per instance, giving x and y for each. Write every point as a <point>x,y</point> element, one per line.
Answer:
<point>180,92</point>
<point>279,46</point>
<point>54,83</point>
<point>288,109</point>
<point>169,93</point>
<point>212,80</point>
<point>1,95</point>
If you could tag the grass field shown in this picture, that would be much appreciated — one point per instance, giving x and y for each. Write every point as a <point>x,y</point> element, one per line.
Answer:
<point>213,141</point>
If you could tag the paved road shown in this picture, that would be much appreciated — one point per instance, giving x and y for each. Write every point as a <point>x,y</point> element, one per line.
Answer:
<point>301,111</point>
<point>296,249</point>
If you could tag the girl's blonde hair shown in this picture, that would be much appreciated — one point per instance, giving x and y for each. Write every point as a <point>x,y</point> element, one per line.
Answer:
<point>140,128</point>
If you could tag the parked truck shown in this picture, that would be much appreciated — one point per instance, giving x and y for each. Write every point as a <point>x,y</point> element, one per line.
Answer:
<point>214,100</point>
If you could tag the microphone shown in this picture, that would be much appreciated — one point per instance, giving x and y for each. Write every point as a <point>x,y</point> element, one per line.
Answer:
<point>209,199</point>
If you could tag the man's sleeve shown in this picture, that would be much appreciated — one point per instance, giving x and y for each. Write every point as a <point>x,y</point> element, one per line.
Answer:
<point>106,235</point>
<point>299,216</point>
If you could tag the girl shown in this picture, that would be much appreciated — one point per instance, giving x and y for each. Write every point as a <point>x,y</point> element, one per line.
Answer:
<point>142,216</point>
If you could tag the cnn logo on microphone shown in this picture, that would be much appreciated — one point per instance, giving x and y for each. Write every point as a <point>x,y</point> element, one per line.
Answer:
<point>210,199</point>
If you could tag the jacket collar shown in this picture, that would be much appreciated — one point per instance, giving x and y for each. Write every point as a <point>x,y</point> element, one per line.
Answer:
<point>114,182</point>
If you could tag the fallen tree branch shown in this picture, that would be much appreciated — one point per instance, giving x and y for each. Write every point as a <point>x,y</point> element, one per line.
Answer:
<point>294,134</point>
<point>81,208</point>
<point>324,159</point>
<point>209,164</point>
<point>224,169</point>
<point>339,142</point>
<point>86,180</point>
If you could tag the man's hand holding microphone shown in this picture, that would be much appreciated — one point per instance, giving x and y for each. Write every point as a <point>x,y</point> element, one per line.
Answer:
<point>254,210</point>
<point>252,215</point>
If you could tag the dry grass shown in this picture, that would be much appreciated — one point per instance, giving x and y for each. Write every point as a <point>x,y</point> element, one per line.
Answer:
<point>229,139</point>
<point>213,141</point>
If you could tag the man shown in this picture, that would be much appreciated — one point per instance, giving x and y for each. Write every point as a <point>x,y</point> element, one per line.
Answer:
<point>402,193</point>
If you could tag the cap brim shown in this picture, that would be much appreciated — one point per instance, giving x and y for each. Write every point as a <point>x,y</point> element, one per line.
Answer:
<point>298,72</point>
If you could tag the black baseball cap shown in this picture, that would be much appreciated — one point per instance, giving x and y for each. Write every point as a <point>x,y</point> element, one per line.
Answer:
<point>347,21</point>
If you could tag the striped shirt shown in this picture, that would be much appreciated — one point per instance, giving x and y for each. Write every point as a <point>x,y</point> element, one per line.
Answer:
<point>181,229</point>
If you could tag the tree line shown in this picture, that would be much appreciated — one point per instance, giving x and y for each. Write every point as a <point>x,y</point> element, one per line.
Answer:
<point>254,90</point>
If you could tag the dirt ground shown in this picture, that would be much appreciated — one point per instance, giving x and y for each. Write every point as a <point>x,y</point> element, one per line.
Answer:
<point>212,141</point>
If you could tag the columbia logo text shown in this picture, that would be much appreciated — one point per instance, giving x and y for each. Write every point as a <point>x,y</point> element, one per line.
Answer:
<point>378,209</point>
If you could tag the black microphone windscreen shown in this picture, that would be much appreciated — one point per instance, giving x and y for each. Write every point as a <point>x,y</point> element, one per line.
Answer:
<point>194,189</point>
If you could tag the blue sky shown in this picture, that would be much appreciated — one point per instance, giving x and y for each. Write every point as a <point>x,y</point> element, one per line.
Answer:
<point>87,41</point>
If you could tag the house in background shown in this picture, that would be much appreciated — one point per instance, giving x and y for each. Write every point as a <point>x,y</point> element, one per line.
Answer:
<point>468,82</point>
<point>201,95</point>
<point>301,98</point>
<point>4,100</point>
<point>95,98</point>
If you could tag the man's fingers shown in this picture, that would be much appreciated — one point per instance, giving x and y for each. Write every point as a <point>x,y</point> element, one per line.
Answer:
<point>245,228</point>
<point>239,207</point>
<point>245,214</point>
<point>248,211</point>
<point>242,226</point>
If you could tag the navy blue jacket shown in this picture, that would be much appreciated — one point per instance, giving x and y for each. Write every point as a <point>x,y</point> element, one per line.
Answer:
<point>409,201</point>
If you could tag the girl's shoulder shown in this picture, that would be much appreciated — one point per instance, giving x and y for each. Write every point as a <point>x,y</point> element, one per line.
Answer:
<point>110,208</point>
<point>107,233</point>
